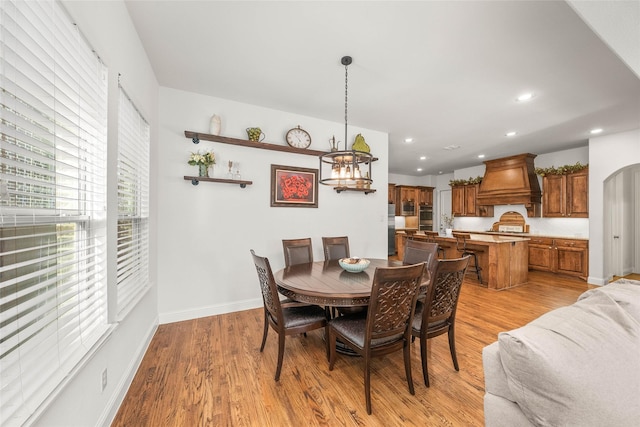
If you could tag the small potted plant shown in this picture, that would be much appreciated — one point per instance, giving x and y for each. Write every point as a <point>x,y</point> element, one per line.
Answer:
<point>447,222</point>
<point>204,160</point>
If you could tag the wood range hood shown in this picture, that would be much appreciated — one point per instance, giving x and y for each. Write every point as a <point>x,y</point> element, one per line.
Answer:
<point>511,181</point>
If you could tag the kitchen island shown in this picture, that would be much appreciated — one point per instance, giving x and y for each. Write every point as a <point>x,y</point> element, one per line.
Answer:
<point>503,259</point>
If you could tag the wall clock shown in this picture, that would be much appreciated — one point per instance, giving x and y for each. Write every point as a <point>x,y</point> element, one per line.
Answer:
<point>298,138</point>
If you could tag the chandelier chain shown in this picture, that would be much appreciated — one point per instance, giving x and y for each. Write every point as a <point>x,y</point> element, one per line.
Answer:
<point>346,92</point>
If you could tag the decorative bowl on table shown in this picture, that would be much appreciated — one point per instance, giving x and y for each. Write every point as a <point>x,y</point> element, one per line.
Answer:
<point>354,265</point>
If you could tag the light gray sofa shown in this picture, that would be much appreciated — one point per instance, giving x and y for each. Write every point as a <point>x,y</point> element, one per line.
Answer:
<point>574,366</point>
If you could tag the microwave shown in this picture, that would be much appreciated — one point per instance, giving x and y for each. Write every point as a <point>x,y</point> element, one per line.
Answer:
<point>407,208</point>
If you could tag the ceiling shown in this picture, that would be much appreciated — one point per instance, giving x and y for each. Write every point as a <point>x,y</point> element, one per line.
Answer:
<point>443,73</point>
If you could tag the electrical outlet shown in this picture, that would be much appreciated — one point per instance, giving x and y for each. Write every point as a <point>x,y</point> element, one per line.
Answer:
<point>104,379</point>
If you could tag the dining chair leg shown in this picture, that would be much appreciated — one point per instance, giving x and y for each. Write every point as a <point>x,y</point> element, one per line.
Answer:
<point>331,338</point>
<point>423,356</point>
<point>407,366</point>
<point>281,338</point>
<point>452,347</point>
<point>266,331</point>
<point>367,384</point>
<point>326,342</point>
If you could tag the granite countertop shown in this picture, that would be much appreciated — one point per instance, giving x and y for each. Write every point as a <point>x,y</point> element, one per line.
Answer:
<point>489,238</point>
<point>528,235</point>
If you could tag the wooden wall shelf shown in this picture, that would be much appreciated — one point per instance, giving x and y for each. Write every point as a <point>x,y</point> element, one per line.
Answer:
<point>195,180</point>
<point>196,137</point>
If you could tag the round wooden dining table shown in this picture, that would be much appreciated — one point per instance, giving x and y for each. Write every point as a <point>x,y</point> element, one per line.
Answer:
<point>326,283</point>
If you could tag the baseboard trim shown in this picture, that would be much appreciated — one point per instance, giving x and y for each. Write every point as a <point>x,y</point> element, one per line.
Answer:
<point>212,310</point>
<point>116,399</point>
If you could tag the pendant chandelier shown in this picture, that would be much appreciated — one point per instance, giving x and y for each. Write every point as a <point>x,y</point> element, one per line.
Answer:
<point>347,170</point>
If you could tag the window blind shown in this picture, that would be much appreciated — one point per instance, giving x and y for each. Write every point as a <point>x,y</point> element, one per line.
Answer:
<point>133,204</point>
<point>53,101</point>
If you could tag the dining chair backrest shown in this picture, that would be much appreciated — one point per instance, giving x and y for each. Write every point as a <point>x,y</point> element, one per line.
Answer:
<point>268,287</point>
<point>335,247</point>
<point>444,291</point>
<point>393,298</point>
<point>297,251</point>
<point>417,251</point>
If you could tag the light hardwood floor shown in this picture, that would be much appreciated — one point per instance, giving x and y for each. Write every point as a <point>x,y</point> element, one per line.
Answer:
<point>210,372</point>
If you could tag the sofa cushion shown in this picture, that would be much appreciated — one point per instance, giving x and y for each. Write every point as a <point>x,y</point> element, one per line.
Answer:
<point>577,365</point>
<point>624,292</point>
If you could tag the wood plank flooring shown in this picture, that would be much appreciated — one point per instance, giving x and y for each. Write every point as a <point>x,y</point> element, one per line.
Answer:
<point>210,372</point>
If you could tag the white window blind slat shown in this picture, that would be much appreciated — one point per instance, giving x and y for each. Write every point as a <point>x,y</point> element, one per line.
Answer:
<point>52,215</point>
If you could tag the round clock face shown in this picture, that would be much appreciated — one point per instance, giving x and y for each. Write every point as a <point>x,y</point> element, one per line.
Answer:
<point>298,138</point>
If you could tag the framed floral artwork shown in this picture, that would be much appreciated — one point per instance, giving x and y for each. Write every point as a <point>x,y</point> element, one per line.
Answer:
<point>294,187</point>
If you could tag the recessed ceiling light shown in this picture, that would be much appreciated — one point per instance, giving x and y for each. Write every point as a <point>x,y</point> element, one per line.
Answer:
<point>594,131</point>
<point>451,147</point>
<point>525,97</point>
<point>440,172</point>
<point>423,157</point>
<point>408,140</point>
<point>481,156</point>
<point>512,133</point>
<point>419,169</point>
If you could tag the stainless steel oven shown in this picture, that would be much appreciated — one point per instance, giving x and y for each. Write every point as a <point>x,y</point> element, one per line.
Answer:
<point>425,218</point>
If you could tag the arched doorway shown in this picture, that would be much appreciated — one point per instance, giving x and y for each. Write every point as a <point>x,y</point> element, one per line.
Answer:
<point>622,222</point>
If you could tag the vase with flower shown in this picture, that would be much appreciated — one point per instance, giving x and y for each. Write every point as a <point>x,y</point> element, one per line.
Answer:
<point>204,161</point>
<point>447,222</point>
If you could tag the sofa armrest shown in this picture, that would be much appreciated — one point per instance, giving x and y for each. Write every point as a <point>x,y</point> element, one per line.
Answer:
<point>495,377</point>
<point>500,412</point>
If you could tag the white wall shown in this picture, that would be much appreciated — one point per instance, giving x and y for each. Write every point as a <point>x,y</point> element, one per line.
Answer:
<point>608,155</point>
<point>205,232</point>
<point>108,28</point>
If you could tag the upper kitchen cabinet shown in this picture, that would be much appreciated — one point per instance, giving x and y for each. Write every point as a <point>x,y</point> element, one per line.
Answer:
<point>392,194</point>
<point>464,202</point>
<point>410,198</point>
<point>425,196</point>
<point>406,200</point>
<point>566,195</point>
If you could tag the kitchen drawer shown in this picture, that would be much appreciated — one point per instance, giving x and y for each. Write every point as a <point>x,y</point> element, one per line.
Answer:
<point>547,241</point>
<point>572,243</point>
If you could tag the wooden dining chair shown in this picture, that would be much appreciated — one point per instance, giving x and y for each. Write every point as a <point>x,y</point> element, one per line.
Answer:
<point>284,318</point>
<point>437,314</point>
<point>335,247</point>
<point>417,251</point>
<point>297,251</point>
<point>386,327</point>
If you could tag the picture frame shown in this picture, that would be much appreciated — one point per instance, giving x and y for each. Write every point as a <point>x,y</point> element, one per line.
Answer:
<point>294,187</point>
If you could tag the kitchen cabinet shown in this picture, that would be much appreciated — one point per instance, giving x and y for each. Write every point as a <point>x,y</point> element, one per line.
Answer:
<point>464,202</point>
<point>558,255</point>
<point>409,199</point>
<point>425,196</point>
<point>392,194</point>
<point>540,253</point>
<point>406,200</point>
<point>566,195</point>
